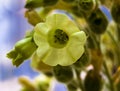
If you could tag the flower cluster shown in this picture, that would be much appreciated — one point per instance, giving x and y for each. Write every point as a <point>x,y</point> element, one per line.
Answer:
<point>58,41</point>
<point>64,45</point>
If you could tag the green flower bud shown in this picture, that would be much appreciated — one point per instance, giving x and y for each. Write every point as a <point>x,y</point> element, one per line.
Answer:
<point>115,11</point>
<point>97,21</point>
<point>22,51</point>
<point>82,61</point>
<point>93,82</point>
<point>33,17</point>
<point>87,5</point>
<point>63,73</point>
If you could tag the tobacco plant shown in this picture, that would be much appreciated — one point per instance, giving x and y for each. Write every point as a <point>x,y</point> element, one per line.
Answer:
<point>73,42</point>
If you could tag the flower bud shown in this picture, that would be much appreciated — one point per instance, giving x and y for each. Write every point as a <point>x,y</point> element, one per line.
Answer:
<point>22,51</point>
<point>82,62</point>
<point>93,82</point>
<point>33,17</point>
<point>87,5</point>
<point>97,21</point>
<point>63,73</point>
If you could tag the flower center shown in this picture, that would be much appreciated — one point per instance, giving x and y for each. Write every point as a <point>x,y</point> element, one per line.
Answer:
<point>58,38</point>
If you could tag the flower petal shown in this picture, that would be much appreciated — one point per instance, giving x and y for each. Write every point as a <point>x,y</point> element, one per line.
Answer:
<point>56,20</point>
<point>58,56</point>
<point>75,45</point>
<point>70,27</point>
<point>40,34</point>
<point>62,21</point>
<point>43,50</point>
<point>37,64</point>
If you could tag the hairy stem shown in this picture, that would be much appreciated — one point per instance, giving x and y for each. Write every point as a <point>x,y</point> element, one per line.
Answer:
<point>109,77</point>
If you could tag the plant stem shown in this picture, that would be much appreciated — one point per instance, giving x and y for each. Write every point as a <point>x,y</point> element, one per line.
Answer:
<point>79,80</point>
<point>109,77</point>
<point>118,32</point>
<point>117,48</point>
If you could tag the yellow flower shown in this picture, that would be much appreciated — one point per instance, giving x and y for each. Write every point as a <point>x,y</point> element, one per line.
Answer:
<point>59,40</point>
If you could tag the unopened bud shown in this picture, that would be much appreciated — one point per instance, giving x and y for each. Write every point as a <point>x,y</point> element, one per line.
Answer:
<point>82,62</point>
<point>63,73</point>
<point>97,22</point>
<point>22,51</point>
<point>93,82</point>
<point>33,17</point>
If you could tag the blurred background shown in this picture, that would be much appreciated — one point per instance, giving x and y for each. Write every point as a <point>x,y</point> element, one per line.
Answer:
<point>13,26</point>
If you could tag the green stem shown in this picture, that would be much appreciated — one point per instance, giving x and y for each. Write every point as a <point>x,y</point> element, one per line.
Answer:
<point>117,50</point>
<point>118,32</point>
<point>109,77</point>
<point>94,38</point>
<point>79,80</point>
